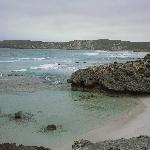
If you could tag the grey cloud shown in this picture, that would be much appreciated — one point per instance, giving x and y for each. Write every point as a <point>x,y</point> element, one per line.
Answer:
<point>75,19</point>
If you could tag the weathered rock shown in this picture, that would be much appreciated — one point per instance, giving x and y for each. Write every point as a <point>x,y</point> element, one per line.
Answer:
<point>135,143</point>
<point>13,146</point>
<point>51,127</point>
<point>147,56</point>
<point>130,77</point>
<point>79,145</point>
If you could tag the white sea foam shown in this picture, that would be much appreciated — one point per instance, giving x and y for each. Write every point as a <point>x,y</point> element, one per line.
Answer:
<point>34,59</point>
<point>20,70</point>
<point>91,54</point>
<point>101,51</point>
<point>22,59</point>
<point>119,54</point>
<point>46,67</point>
<point>7,61</point>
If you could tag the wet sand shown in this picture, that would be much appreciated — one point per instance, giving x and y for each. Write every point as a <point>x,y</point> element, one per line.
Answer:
<point>132,124</point>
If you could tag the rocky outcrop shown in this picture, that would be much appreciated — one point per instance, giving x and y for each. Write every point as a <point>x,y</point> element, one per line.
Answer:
<point>7,146</point>
<point>135,143</point>
<point>100,44</point>
<point>130,77</point>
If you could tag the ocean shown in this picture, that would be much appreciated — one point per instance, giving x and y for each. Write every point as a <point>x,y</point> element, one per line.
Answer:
<point>74,112</point>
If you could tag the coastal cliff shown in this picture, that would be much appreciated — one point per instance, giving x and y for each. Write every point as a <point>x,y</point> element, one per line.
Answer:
<point>100,44</point>
<point>129,77</point>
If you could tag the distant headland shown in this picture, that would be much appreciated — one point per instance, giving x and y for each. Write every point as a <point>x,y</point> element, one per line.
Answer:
<point>100,44</point>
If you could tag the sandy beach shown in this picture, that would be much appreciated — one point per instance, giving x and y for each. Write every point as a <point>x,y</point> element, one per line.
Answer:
<point>132,125</point>
<point>139,125</point>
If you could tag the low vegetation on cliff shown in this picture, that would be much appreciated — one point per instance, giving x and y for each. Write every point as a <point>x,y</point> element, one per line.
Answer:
<point>101,44</point>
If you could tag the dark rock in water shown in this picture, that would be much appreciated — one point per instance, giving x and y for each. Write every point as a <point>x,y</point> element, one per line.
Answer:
<point>135,143</point>
<point>147,56</point>
<point>130,77</point>
<point>115,62</point>
<point>13,146</point>
<point>51,127</point>
<point>19,115</point>
<point>77,62</point>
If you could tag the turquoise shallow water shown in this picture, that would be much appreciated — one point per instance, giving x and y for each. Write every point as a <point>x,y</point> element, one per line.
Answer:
<point>73,112</point>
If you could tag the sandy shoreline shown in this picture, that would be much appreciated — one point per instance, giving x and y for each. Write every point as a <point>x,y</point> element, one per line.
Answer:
<point>126,126</point>
<point>132,125</point>
<point>139,125</point>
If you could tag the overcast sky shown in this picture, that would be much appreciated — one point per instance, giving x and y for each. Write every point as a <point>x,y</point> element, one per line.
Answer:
<point>64,20</point>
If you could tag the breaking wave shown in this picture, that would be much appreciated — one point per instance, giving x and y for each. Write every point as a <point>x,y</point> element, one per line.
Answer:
<point>91,54</point>
<point>46,66</point>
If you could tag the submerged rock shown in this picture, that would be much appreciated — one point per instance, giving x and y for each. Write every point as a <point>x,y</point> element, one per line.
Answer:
<point>18,115</point>
<point>51,127</point>
<point>21,116</point>
<point>130,77</point>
